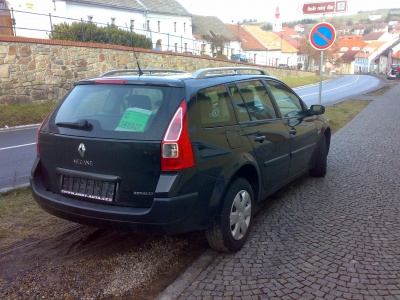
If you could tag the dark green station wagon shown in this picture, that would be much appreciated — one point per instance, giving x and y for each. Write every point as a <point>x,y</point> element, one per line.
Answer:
<point>170,152</point>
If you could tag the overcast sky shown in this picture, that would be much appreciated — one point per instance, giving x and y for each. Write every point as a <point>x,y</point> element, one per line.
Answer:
<point>290,10</point>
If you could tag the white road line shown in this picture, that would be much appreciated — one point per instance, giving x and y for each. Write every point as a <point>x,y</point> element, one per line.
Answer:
<point>18,146</point>
<point>336,88</point>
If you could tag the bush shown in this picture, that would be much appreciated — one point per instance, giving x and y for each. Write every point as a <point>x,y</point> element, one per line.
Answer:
<point>91,33</point>
<point>221,56</point>
<point>299,66</point>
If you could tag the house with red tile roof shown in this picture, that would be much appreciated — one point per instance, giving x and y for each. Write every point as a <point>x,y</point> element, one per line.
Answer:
<point>299,28</point>
<point>376,36</point>
<point>343,30</point>
<point>347,61</point>
<point>279,51</point>
<point>290,32</point>
<point>347,43</point>
<point>359,29</point>
<point>254,50</point>
<point>367,60</point>
<point>389,56</point>
<point>348,48</point>
<point>380,27</point>
<point>395,30</point>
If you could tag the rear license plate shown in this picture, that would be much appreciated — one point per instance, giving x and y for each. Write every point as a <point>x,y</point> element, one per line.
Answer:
<point>88,188</point>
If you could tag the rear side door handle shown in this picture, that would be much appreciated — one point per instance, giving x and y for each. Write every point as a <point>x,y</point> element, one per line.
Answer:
<point>259,138</point>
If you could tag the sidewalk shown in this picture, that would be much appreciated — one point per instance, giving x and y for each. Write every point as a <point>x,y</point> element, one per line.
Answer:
<point>331,238</point>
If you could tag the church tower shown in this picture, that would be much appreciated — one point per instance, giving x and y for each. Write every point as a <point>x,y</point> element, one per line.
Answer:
<point>277,23</point>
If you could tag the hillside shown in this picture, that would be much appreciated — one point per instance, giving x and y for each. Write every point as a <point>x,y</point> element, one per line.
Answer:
<point>362,17</point>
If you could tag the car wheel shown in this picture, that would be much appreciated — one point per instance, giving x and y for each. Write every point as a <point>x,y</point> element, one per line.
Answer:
<point>232,226</point>
<point>319,169</point>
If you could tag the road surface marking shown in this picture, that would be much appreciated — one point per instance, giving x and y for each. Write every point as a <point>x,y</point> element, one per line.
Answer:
<point>339,87</point>
<point>18,146</point>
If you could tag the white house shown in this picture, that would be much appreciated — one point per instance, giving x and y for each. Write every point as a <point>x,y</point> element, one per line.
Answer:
<point>167,23</point>
<point>299,28</point>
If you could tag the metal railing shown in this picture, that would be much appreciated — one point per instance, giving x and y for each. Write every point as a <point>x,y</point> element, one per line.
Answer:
<point>37,25</point>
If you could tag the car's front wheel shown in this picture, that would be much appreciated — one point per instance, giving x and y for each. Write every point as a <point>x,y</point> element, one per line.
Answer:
<point>319,169</point>
<point>231,228</point>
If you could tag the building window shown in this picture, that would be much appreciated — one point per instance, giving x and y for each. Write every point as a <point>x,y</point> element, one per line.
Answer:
<point>174,26</point>
<point>112,21</point>
<point>184,27</point>
<point>132,24</point>
<point>90,18</point>
<point>203,49</point>
<point>148,25</point>
<point>176,47</point>
<point>186,48</point>
<point>159,26</point>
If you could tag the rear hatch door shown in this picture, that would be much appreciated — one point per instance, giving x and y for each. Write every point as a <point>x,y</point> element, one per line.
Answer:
<point>102,143</point>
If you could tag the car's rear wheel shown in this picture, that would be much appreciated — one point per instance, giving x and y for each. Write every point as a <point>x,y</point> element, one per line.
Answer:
<point>231,228</point>
<point>319,169</point>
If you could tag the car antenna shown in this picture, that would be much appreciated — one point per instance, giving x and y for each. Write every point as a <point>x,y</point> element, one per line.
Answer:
<point>134,52</point>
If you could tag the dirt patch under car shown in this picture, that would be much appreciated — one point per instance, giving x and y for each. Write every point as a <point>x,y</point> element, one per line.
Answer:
<point>64,260</point>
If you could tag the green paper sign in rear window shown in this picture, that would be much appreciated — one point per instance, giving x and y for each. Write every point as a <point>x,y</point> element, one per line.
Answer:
<point>134,119</point>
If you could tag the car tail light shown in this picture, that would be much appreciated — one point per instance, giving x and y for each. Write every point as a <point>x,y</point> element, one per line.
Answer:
<point>38,132</point>
<point>176,148</point>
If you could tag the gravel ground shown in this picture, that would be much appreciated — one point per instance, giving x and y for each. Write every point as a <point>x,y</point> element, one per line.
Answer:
<point>87,263</point>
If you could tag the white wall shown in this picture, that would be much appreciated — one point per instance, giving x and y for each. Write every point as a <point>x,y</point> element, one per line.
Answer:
<point>27,18</point>
<point>27,21</point>
<point>290,59</point>
<point>175,32</point>
<point>102,16</point>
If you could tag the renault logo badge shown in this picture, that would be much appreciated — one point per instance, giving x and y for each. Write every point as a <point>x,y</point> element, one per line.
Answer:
<point>82,149</point>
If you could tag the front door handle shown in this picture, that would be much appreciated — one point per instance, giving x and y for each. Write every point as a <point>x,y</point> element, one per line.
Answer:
<point>259,138</point>
<point>293,131</point>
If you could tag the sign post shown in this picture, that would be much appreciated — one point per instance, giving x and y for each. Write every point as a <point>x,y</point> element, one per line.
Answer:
<point>325,7</point>
<point>322,36</point>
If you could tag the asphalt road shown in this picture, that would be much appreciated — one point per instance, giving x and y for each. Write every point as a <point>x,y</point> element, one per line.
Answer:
<point>17,154</point>
<point>340,89</point>
<point>18,148</point>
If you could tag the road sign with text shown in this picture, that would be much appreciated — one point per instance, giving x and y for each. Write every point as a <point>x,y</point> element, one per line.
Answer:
<point>325,7</point>
<point>322,36</point>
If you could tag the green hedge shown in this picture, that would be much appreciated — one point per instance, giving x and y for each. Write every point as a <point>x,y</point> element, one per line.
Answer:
<point>91,33</point>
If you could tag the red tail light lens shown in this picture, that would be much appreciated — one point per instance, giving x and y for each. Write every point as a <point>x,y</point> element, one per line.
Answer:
<point>38,132</point>
<point>176,148</point>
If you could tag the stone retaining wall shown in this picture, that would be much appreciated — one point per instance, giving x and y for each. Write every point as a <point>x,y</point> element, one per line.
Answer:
<point>34,70</point>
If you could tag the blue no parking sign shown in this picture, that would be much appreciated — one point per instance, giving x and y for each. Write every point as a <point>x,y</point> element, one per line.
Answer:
<point>322,36</point>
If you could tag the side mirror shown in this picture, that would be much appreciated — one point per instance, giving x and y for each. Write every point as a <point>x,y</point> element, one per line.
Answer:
<point>316,110</point>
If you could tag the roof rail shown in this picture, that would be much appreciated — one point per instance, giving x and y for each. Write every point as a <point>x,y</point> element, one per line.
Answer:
<point>148,71</point>
<point>225,71</point>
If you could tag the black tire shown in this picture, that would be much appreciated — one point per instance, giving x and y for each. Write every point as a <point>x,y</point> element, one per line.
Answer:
<point>319,169</point>
<point>231,227</point>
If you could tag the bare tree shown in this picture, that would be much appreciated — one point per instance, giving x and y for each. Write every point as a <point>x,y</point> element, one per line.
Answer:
<point>216,41</point>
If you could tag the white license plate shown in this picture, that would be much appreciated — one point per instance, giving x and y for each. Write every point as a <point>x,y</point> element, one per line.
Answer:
<point>88,188</point>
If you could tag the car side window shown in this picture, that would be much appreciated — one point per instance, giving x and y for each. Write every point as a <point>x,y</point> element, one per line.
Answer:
<point>253,98</point>
<point>288,103</point>
<point>215,106</point>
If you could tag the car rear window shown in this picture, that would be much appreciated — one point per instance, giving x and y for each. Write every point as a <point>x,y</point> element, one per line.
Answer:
<point>117,111</point>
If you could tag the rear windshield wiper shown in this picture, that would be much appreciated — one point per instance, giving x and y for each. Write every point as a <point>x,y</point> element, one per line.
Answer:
<point>80,124</point>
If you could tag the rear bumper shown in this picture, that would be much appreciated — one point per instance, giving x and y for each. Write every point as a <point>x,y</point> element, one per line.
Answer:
<point>167,215</point>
